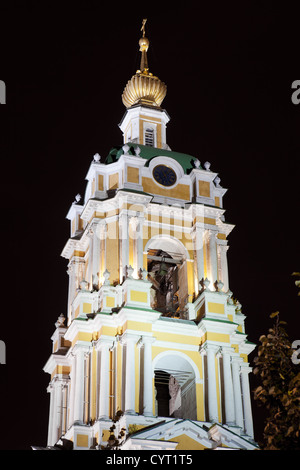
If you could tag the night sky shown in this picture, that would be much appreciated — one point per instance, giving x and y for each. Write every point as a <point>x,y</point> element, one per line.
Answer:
<point>228,69</point>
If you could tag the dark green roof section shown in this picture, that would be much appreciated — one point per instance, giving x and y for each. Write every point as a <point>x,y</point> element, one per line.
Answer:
<point>178,320</point>
<point>219,321</point>
<point>147,152</point>
<point>135,191</point>
<point>141,308</point>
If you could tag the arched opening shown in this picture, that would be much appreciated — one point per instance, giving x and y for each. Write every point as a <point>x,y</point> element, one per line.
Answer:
<point>166,266</point>
<point>162,395</point>
<point>167,395</point>
<point>175,389</point>
<point>163,272</point>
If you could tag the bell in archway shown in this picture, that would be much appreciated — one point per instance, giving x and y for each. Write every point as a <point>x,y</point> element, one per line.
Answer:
<point>163,270</point>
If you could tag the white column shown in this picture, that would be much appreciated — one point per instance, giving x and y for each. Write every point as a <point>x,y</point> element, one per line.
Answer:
<point>50,441</point>
<point>148,376</point>
<point>72,389</point>
<point>96,255</point>
<point>224,266</point>
<point>75,271</point>
<point>247,401</point>
<point>104,347</point>
<point>64,422</point>
<point>198,240</point>
<point>139,243</point>
<point>130,341</point>
<point>105,258</point>
<point>132,231</point>
<point>212,384</point>
<point>71,287</point>
<point>58,409</point>
<point>237,392</point>
<point>228,389</point>
<point>213,260</point>
<point>90,259</point>
<point>124,244</point>
<point>79,385</point>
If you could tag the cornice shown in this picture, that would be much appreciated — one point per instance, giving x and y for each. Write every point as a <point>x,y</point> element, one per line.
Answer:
<point>94,167</point>
<point>97,205</point>
<point>219,434</point>
<point>224,227</point>
<point>55,360</point>
<point>204,175</point>
<point>78,326</point>
<point>213,325</point>
<point>72,245</point>
<point>247,347</point>
<point>137,110</point>
<point>136,314</point>
<point>180,327</point>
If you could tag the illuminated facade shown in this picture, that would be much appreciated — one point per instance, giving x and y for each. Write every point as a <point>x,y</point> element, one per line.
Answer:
<point>151,327</point>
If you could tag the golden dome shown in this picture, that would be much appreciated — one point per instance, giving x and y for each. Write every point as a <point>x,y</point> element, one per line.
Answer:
<point>144,87</point>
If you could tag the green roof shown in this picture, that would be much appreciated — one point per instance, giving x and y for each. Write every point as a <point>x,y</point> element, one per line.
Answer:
<point>141,308</point>
<point>147,152</point>
<point>177,320</point>
<point>220,321</point>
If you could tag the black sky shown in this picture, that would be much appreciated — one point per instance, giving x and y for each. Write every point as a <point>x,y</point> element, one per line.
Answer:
<point>228,69</point>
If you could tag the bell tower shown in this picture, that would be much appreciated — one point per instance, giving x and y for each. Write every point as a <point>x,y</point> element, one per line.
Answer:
<point>151,333</point>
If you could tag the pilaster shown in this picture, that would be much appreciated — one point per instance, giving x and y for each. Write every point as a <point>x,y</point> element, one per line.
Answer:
<point>103,345</point>
<point>130,340</point>
<point>228,387</point>
<point>211,351</point>
<point>213,259</point>
<point>236,370</point>
<point>147,342</point>
<point>79,351</point>
<point>248,421</point>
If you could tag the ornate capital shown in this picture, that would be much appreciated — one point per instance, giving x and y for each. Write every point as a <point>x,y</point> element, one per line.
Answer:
<point>206,347</point>
<point>147,340</point>
<point>104,342</point>
<point>129,337</point>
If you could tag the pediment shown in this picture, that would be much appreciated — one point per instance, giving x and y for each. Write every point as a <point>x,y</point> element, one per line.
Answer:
<point>193,435</point>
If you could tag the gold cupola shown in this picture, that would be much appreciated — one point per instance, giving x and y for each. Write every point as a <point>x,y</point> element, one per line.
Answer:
<point>144,88</point>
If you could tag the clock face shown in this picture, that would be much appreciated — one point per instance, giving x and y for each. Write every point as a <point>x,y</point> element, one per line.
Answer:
<point>164,175</point>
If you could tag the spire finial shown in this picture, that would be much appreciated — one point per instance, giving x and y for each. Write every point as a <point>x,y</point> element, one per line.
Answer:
<point>144,44</point>
<point>144,87</point>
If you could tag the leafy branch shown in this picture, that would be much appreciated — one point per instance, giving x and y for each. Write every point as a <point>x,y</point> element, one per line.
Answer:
<point>114,442</point>
<point>279,391</point>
